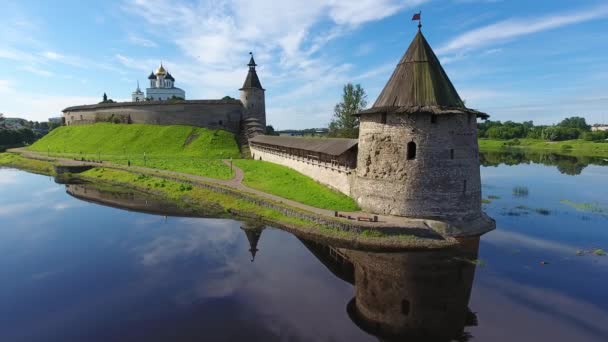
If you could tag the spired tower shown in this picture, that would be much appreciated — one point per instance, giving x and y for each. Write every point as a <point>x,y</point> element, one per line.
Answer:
<point>418,152</point>
<point>253,99</point>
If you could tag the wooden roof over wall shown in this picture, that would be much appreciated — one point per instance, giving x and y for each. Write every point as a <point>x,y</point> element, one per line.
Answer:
<point>330,146</point>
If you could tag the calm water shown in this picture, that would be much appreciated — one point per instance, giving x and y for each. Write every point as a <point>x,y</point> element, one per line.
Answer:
<point>73,270</point>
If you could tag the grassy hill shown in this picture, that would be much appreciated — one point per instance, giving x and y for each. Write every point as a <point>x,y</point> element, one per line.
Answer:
<point>187,149</point>
<point>285,182</point>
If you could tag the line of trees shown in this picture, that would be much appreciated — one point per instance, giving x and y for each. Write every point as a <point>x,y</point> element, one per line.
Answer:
<point>17,132</point>
<point>570,128</point>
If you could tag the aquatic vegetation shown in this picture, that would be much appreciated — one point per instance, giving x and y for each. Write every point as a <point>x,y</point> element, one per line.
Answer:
<point>543,211</point>
<point>485,201</point>
<point>599,252</point>
<point>586,207</point>
<point>520,191</point>
<point>493,197</point>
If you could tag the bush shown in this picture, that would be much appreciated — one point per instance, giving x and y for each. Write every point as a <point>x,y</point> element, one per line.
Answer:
<point>558,133</point>
<point>595,136</point>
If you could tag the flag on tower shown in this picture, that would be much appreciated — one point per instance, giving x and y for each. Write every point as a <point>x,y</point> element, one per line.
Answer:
<point>416,16</point>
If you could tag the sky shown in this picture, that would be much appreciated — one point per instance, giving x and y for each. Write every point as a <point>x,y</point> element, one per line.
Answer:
<point>540,60</point>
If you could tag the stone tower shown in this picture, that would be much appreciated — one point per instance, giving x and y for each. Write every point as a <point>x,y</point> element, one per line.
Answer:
<point>418,152</point>
<point>253,98</point>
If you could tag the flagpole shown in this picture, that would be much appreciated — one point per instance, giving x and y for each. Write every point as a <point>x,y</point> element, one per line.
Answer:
<point>419,20</point>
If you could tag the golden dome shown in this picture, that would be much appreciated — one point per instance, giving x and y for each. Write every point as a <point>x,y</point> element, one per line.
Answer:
<point>161,70</point>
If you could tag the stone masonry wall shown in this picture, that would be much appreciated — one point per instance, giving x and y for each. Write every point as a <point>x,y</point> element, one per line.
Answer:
<point>337,177</point>
<point>211,114</point>
<point>442,181</point>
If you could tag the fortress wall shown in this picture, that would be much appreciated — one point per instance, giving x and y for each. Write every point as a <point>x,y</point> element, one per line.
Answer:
<point>438,183</point>
<point>215,114</point>
<point>334,177</point>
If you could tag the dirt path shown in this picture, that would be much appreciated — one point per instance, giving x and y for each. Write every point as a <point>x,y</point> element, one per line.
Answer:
<point>237,183</point>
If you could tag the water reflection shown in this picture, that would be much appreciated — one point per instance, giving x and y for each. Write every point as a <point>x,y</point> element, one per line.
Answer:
<point>415,295</point>
<point>569,165</point>
<point>130,199</point>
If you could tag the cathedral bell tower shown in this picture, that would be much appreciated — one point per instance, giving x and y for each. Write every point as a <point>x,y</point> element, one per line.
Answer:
<point>253,98</point>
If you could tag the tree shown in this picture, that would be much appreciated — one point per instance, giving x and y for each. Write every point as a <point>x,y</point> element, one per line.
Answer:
<point>575,122</point>
<point>227,98</point>
<point>270,130</point>
<point>344,123</point>
<point>1,117</point>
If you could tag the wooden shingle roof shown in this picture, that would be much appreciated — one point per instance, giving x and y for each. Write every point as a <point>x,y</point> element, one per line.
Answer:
<point>330,146</point>
<point>419,84</point>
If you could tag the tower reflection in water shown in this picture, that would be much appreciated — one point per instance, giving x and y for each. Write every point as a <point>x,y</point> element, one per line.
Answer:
<point>401,296</point>
<point>413,296</point>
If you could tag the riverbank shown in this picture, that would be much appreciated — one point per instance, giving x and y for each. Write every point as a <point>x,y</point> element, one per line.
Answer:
<point>577,147</point>
<point>389,233</point>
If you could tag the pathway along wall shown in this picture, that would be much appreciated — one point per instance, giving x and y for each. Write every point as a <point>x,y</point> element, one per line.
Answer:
<point>214,114</point>
<point>419,165</point>
<point>336,177</point>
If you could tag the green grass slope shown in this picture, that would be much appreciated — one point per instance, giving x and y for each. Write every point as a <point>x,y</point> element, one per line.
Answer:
<point>577,147</point>
<point>186,149</point>
<point>155,140</point>
<point>285,182</point>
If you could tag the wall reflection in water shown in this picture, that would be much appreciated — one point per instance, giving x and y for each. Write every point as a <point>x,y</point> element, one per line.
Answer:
<point>411,295</point>
<point>415,295</point>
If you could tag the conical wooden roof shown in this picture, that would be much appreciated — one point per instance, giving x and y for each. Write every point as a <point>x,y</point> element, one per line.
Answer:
<point>419,84</point>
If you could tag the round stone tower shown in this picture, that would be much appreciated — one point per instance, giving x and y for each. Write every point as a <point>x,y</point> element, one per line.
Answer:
<point>418,152</point>
<point>252,96</point>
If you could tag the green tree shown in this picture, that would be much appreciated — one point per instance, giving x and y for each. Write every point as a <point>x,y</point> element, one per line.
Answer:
<point>575,122</point>
<point>270,130</point>
<point>344,123</point>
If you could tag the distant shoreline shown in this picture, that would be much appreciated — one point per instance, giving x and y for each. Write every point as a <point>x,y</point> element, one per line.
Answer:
<point>577,147</point>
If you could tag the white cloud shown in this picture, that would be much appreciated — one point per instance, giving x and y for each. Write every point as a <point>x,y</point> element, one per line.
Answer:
<point>5,86</point>
<point>140,41</point>
<point>36,70</point>
<point>287,38</point>
<point>513,28</point>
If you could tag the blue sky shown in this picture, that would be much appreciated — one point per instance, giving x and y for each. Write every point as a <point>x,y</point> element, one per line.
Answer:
<point>517,60</point>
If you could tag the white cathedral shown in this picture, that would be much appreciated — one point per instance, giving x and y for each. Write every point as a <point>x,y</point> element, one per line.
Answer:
<point>162,87</point>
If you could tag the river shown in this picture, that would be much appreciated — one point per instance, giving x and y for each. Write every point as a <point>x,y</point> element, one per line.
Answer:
<point>75,270</point>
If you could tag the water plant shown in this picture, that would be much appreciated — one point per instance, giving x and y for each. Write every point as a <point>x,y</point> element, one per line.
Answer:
<point>543,211</point>
<point>520,191</point>
<point>599,252</point>
<point>586,207</point>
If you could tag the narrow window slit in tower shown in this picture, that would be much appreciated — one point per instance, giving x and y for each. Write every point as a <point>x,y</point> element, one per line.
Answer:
<point>464,186</point>
<point>452,154</point>
<point>433,119</point>
<point>405,307</point>
<point>411,150</point>
<point>383,118</point>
